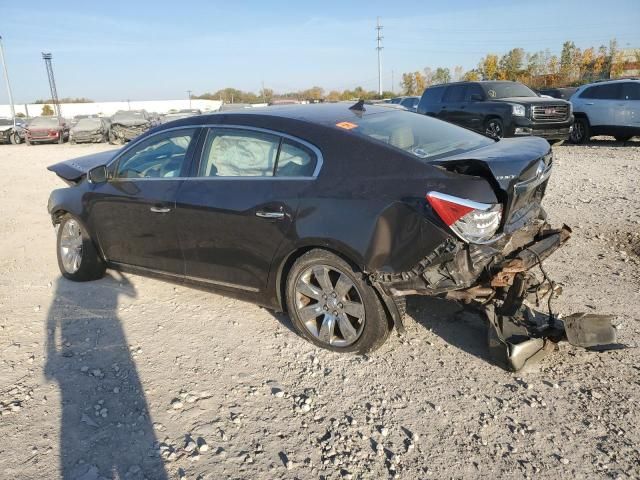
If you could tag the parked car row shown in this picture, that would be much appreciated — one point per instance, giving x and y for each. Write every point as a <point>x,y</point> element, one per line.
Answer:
<point>510,109</point>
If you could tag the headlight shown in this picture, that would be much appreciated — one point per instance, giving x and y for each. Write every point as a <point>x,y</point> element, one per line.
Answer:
<point>518,110</point>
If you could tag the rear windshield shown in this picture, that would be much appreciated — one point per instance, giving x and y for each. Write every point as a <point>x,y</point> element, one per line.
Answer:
<point>44,122</point>
<point>423,137</point>
<point>508,90</point>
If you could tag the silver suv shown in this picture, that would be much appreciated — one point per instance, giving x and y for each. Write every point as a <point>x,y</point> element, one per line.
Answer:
<point>607,108</point>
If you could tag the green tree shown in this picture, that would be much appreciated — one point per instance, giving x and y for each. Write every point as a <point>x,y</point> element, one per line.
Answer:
<point>441,75</point>
<point>47,111</point>
<point>510,66</point>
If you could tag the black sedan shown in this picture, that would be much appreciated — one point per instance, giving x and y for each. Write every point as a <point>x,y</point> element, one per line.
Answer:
<point>331,212</point>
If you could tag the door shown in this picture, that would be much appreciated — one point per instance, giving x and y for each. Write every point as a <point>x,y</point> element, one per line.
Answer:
<point>134,212</point>
<point>630,106</point>
<point>600,103</point>
<point>472,114</point>
<point>240,205</point>
<point>453,104</point>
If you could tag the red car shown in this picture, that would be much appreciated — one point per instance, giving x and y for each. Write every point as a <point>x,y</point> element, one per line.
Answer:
<point>47,130</point>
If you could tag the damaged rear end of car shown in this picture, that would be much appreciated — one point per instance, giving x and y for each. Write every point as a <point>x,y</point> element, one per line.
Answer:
<point>491,247</point>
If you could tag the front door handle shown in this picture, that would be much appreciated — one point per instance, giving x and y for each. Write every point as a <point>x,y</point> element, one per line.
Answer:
<point>271,215</point>
<point>160,209</point>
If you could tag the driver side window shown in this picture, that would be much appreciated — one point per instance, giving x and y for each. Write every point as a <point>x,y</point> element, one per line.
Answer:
<point>160,156</point>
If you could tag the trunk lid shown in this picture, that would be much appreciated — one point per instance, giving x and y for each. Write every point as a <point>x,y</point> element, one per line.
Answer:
<point>75,168</point>
<point>518,169</point>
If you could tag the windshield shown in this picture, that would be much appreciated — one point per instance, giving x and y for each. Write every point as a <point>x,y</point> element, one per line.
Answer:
<point>87,123</point>
<point>424,137</point>
<point>6,121</point>
<point>44,122</point>
<point>507,90</point>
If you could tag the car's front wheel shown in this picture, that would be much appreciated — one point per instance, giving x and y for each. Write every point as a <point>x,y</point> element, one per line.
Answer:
<point>494,128</point>
<point>332,305</point>
<point>78,258</point>
<point>580,132</point>
<point>15,139</point>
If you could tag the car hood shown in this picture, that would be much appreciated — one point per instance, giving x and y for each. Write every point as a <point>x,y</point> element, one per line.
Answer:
<point>77,129</point>
<point>531,100</point>
<point>130,122</point>
<point>75,168</point>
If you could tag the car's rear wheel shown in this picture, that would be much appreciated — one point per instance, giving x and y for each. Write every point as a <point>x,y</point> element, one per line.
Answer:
<point>494,128</point>
<point>332,305</point>
<point>580,132</point>
<point>78,258</point>
<point>624,139</point>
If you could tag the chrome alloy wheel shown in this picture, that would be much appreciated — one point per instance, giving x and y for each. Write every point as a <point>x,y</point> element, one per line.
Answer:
<point>71,246</point>
<point>329,305</point>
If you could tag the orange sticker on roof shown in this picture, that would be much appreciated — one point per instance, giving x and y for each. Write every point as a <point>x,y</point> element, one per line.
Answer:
<point>346,125</point>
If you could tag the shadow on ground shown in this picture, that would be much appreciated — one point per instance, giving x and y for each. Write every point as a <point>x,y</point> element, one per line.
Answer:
<point>106,430</point>
<point>459,327</point>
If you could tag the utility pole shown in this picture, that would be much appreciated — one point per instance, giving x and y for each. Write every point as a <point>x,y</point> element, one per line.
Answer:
<point>189,93</point>
<point>262,91</point>
<point>393,83</point>
<point>52,83</point>
<point>6,78</point>
<point>379,49</point>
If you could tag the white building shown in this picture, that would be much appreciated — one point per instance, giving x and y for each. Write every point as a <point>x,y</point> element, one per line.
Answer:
<point>70,110</point>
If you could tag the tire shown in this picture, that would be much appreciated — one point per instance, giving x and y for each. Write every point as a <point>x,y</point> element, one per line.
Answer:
<point>494,128</point>
<point>72,141</point>
<point>346,303</point>
<point>15,139</point>
<point>581,131</point>
<point>112,138</point>
<point>72,238</point>
<point>623,139</point>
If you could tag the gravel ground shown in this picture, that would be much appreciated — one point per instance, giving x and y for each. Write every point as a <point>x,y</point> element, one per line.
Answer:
<point>129,377</point>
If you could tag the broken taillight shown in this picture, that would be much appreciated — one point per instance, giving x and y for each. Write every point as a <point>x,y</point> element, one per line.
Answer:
<point>473,222</point>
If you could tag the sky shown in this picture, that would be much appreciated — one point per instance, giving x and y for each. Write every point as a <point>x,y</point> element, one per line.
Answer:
<point>148,50</point>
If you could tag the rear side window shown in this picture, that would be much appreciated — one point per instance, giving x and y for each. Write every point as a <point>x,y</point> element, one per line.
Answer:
<point>602,92</point>
<point>433,95</point>
<point>295,160</point>
<point>631,91</point>
<point>249,153</point>
<point>455,93</point>
<point>239,153</point>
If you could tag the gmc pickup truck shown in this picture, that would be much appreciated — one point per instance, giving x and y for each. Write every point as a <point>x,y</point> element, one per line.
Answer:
<point>499,109</point>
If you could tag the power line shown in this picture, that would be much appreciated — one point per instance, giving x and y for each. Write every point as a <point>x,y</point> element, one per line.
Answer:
<point>379,49</point>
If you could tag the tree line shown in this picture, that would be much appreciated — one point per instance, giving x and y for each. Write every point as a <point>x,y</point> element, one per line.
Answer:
<point>573,67</point>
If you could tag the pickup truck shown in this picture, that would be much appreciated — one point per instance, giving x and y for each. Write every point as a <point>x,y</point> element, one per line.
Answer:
<point>499,109</point>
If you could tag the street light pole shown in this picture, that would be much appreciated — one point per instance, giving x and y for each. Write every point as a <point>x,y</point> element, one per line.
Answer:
<point>189,93</point>
<point>6,78</point>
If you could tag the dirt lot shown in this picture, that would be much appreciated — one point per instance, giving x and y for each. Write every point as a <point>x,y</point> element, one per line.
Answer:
<point>128,377</point>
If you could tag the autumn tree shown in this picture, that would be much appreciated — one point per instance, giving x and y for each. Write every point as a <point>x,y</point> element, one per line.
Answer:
<point>333,96</point>
<point>47,111</point>
<point>488,67</point>
<point>472,76</point>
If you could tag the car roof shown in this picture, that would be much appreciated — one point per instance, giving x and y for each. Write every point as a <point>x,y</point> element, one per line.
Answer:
<point>612,80</point>
<point>318,113</point>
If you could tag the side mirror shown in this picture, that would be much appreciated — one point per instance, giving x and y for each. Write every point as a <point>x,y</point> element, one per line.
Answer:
<point>98,174</point>
<point>476,97</point>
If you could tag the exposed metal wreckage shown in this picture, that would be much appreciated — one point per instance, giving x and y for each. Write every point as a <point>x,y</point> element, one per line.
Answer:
<point>500,280</point>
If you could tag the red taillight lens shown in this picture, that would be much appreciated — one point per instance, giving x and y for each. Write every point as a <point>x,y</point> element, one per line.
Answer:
<point>473,222</point>
<point>53,133</point>
<point>449,212</point>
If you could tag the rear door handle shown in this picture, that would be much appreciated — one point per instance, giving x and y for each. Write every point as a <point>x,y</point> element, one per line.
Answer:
<point>160,209</point>
<point>272,215</point>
